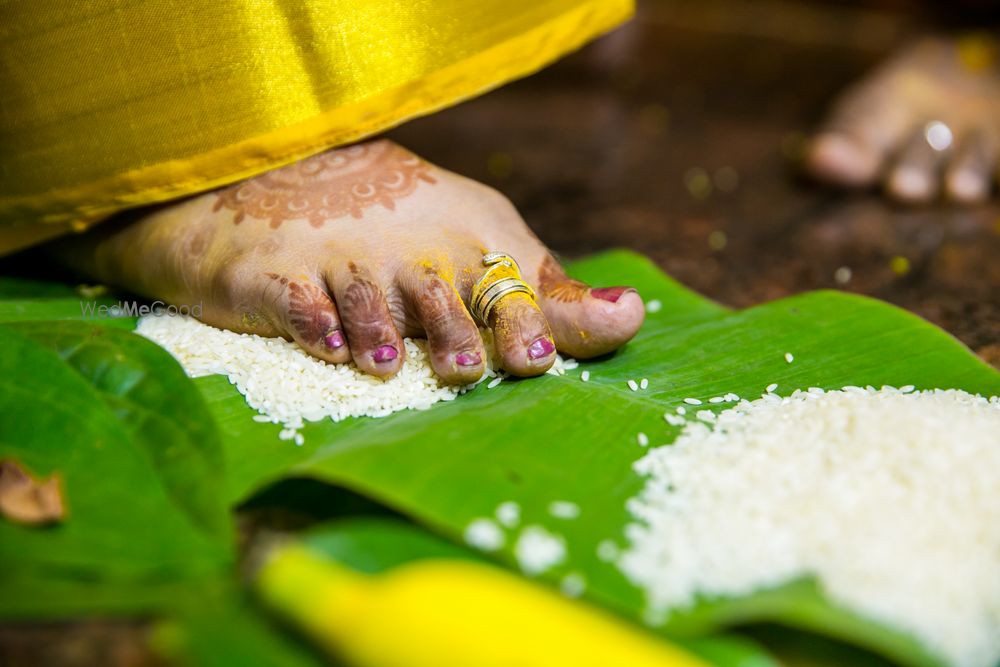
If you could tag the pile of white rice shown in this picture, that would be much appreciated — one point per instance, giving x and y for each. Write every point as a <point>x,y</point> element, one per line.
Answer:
<point>890,499</point>
<point>288,386</point>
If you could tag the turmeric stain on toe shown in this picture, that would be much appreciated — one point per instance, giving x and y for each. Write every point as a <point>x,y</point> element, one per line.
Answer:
<point>250,320</point>
<point>440,267</point>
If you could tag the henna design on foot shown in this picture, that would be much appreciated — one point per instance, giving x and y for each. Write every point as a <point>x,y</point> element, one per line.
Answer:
<point>328,186</point>
<point>309,313</point>
<point>556,285</point>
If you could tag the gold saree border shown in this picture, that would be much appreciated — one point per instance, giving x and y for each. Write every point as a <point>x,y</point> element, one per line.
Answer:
<point>80,207</point>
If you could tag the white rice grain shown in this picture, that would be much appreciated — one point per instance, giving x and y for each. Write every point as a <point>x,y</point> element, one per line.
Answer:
<point>289,387</point>
<point>573,585</point>
<point>484,534</point>
<point>564,509</point>
<point>508,514</point>
<point>537,550</point>
<point>608,551</point>
<point>890,500</point>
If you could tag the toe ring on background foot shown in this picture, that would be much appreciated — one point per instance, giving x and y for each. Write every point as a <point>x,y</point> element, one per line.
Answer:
<point>502,278</point>
<point>938,135</point>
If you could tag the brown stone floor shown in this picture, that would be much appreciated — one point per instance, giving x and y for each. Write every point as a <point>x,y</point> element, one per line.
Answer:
<point>676,137</point>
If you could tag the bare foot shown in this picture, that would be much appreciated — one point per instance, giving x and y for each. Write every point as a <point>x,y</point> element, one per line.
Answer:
<point>925,122</point>
<point>348,251</point>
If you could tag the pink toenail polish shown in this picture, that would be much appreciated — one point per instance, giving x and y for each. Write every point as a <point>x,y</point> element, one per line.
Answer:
<point>468,359</point>
<point>542,347</point>
<point>384,353</point>
<point>611,294</point>
<point>334,339</point>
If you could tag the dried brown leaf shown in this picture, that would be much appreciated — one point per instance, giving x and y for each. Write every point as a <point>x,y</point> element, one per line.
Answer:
<point>27,499</point>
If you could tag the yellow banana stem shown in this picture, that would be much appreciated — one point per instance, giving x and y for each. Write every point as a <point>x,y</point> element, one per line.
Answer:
<point>450,613</point>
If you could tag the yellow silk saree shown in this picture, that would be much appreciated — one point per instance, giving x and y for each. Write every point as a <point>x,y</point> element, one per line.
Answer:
<point>112,104</point>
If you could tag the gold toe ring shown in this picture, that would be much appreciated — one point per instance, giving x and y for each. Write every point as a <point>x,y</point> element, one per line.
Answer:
<point>502,278</point>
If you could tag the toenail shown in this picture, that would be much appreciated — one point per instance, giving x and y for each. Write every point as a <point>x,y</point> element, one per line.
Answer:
<point>384,353</point>
<point>334,339</point>
<point>611,294</point>
<point>542,347</point>
<point>468,359</point>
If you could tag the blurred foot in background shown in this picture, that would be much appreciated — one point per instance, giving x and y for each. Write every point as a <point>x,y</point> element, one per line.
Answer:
<point>925,125</point>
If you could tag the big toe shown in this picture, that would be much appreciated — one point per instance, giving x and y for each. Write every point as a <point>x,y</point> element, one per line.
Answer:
<point>587,322</point>
<point>839,158</point>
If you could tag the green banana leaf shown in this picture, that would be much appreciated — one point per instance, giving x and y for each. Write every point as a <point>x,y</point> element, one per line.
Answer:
<point>141,465</point>
<point>24,300</point>
<point>557,438</point>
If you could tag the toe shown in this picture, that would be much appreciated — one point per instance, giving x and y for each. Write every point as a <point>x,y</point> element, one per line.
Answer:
<point>969,176</point>
<point>587,322</point>
<point>915,176</point>
<point>863,128</point>
<point>455,346</point>
<point>842,159</point>
<point>374,341</point>
<point>521,336</point>
<point>303,311</point>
